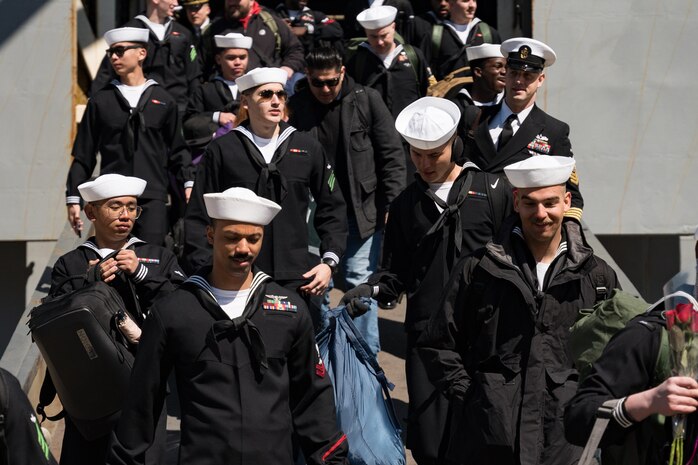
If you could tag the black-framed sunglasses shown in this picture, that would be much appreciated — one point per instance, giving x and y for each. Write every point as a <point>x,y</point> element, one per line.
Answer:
<point>194,8</point>
<point>320,83</point>
<point>119,50</point>
<point>267,94</point>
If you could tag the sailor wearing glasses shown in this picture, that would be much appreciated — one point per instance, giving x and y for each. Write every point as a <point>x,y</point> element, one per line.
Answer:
<point>268,156</point>
<point>133,124</point>
<point>149,271</point>
<point>356,129</point>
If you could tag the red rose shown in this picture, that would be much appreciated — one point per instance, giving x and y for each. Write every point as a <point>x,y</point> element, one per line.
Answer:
<point>684,312</point>
<point>670,316</point>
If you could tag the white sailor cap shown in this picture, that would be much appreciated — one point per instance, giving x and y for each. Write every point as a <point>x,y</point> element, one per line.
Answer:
<point>126,34</point>
<point>540,171</point>
<point>428,123</point>
<point>480,52</point>
<point>377,17</point>
<point>527,54</point>
<point>241,205</point>
<point>108,186</point>
<point>260,76</point>
<point>233,40</point>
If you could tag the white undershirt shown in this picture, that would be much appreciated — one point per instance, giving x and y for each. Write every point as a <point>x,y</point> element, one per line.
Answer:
<point>232,302</point>
<point>497,122</point>
<point>541,270</point>
<point>266,146</point>
<point>158,29</point>
<point>441,189</point>
<point>105,251</point>
<point>132,94</point>
<point>233,88</point>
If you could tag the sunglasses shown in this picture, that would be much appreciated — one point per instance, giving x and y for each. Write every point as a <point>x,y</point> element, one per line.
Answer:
<point>267,94</point>
<point>320,83</point>
<point>121,49</point>
<point>193,8</point>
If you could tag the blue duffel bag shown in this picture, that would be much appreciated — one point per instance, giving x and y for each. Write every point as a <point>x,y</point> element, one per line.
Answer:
<point>365,410</point>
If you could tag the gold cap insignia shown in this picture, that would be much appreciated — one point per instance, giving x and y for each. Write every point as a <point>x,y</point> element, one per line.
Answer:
<point>524,52</point>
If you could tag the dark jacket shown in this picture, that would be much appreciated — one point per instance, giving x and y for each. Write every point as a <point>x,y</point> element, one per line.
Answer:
<point>22,441</point>
<point>372,159</point>
<point>448,54</point>
<point>399,85</point>
<point>246,386</point>
<point>213,96</point>
<point>627,366</point>
<point>420,247</point>
<point>173,62</point>
<point>264,51</point>
<point>497,347</point>
<point>146,142</point>
<point>299,168</point>
<point>540,134</point>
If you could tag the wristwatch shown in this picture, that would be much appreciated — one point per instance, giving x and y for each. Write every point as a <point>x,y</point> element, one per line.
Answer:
<point>331,263</point>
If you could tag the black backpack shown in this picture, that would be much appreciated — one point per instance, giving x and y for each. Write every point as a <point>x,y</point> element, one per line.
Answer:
<point>88,360</point>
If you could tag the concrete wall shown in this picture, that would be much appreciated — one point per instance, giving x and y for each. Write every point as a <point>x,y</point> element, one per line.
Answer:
<point>624,82</point>
<point>37,55</point>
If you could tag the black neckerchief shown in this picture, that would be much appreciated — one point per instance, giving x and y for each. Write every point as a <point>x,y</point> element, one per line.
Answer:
<point>242,326</point>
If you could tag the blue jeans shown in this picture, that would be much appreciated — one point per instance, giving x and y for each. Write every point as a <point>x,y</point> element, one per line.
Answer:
<point>359,262</point>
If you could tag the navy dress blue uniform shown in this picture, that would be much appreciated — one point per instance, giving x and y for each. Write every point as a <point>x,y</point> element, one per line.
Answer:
<point>145,141</point>
<point>539,134</point>
<point>157,274</point>
<point>173,62</point>
<point>297,170</point>
<point>418,255</point>
<point>245,385</point>
<point>213,96</point>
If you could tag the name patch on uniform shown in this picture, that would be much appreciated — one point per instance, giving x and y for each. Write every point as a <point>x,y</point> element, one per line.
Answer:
<point>297,151</point>
<point>278,303</point>
<point>149,261</point>
<point>540,144</point>
<point>482,195</point>
<point>158,102</point>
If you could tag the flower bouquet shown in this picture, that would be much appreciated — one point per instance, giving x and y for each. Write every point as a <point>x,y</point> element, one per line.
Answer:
<point>682,327</point>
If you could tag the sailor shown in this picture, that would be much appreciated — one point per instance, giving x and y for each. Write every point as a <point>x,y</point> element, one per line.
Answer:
<point>265,154</point>
<point>139,271</point>
<point>133,123</point>
<point>398,71</point>
<point>248,372</point>
<point>198,20</point>
<point>446,213</point>
<point>517,128</point>
<point>488,68</point>
<point>215,104</point>
<point>496,344</point>
<point>172,58</point>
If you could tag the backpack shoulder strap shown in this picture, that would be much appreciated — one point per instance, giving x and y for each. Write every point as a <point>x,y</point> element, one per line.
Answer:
<point>413,59</point>
<point>361,103</point>
<point>46,396</point>
<point>437,33</point>
<point>662,368</point>
<point>599,279</point>
<point>486,32</point>
<point>273,27</point>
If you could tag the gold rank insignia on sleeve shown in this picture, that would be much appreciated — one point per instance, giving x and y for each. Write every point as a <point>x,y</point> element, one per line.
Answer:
<point>573,177</point>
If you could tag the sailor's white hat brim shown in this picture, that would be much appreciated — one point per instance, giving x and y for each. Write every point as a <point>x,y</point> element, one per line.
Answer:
<point>540,171</point>
<point>109,186</point>
<point>126,34</point>
<point>261,76</point>
<point>483,51</point>
<point>377,17</point>
<point>241,205</point>
<point>233,40</point>
<point>428,123</point>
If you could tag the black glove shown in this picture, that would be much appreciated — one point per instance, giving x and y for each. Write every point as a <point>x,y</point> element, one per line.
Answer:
<point>357,300</point>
